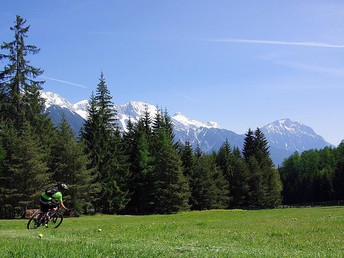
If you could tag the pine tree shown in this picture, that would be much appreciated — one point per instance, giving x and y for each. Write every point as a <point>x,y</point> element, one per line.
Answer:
<point>221,195</point>
<point>240,185</point>
<point>338,180</point>
<point>107,152</point>
<point>20,92</point>
<point>69,165</point>
<point>89,134</point>
<point>202,185</point>
<point>115,176</point>
<point>142,184</point>
<point>188,160</point>
<point>224,161</point>
<point>25,171</point>
<point>172,191</point>
<point>264,180</point>
<point>249,145</point>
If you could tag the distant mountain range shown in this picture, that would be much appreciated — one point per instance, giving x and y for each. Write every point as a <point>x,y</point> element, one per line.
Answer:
<point>284,136</point>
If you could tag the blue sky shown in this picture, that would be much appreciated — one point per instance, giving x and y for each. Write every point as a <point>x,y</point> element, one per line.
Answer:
<point>242,64</point>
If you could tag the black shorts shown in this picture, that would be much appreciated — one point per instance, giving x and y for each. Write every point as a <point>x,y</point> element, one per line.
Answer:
<point>46,205</point>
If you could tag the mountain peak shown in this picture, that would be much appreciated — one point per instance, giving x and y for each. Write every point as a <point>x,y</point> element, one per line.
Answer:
<point>55,99</point>
<point>294,135</point>
<point>183,122</point>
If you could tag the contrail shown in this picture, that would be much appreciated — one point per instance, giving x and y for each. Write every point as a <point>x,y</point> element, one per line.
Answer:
<point>275,42</point>
<point>66,82</point>
<point>185,96</point>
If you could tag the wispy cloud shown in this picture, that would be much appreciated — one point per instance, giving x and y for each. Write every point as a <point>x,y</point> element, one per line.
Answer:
<point>313,68</point>
<point>185,96</point>
<point>65,82</point>
<point>276,42</point>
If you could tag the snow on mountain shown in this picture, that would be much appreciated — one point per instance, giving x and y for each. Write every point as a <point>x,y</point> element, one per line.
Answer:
<point>55,99</point>
<point>182,122</point>
<point>133,110</point>
<point>293,136</point>
<point>136,109</point>
<point>81,108</point>
<point>284,136</point>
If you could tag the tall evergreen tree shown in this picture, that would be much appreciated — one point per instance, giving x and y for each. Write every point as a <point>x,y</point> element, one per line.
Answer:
<point>172,192</point>
<point>107,153</point>
<point>224,161</point>
<point>142,176</point>
<point>69,165</point>
<point>20,92</point>
<point>240,184</point>
<point>264,184</point>
<point>221,194</point>
<point>25,171</point>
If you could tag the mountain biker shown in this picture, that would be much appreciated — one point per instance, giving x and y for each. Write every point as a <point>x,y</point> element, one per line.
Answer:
<point>51,198</point>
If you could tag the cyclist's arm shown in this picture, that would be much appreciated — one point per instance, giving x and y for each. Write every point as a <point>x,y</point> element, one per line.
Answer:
<point>58,196</point>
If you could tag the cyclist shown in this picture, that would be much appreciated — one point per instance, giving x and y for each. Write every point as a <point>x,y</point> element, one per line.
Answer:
<point>51,198</point>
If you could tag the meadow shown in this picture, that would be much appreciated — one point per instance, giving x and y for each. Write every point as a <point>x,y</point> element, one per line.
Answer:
<point>291,232</point>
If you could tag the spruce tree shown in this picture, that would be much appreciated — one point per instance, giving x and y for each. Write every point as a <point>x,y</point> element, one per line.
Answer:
<point>202,183</point>
<point>224,161</point>
<point>264,180</point>
<point>107,152</point>
<point>19,91</point>
<point>188,160</point>
<point>69,165</point>
<point>142,176</point>
<point>172,192</point>
<point>339,173</point>
<point>25,171</point>
<point>221,195</point>
<point>240,184</point>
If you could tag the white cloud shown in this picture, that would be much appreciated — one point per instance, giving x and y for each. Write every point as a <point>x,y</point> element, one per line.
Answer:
<point>65,82</point>
<point>313,68</point>
<point>275,42</point>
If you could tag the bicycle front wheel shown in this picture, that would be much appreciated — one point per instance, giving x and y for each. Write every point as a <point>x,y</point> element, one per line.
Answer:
<point>56,220</point>
<point>35,221</point>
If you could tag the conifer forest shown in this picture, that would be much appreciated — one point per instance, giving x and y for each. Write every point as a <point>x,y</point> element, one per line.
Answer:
<point>142,170</point>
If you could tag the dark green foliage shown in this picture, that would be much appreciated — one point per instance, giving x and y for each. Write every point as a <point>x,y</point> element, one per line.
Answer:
<point>264,182</point>
<point>313,176</point>
<point>20,93</point>
<point>172,188</point>
<point>209,188</point>
<point>142,172</point>
<point>105,150</point>
<point>240,181</point>
<point>69,165</point>
<point>225,162</point>
<point>25,172</point>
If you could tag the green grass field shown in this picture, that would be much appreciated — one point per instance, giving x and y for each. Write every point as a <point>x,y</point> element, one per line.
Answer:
<point>292,232</point>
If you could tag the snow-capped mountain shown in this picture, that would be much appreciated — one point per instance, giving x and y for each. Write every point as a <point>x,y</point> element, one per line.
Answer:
<point>293,135</point>
<point>53,99</point>
<point>284,136</point>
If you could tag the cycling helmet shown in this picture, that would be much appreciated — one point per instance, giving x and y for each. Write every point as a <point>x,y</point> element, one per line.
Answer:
<point>63,186</point>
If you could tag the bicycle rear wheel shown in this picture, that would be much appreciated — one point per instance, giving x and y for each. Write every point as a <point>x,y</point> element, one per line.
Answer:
<point>35,221</point>
<point>55,220</point>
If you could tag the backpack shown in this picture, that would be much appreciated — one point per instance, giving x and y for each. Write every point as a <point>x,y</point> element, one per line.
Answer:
<point>50,191</point>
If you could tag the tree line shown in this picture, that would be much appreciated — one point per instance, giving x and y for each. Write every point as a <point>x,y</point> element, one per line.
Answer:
<point>314,176</point>
<point>139,171</point>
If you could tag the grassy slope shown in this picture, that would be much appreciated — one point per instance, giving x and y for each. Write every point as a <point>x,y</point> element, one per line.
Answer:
<point>299,232</point>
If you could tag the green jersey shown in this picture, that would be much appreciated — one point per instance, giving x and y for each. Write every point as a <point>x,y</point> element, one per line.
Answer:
<point>57,195</point>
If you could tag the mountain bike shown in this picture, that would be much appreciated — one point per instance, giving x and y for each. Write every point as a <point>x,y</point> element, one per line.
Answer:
<point>41,219</point>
